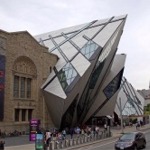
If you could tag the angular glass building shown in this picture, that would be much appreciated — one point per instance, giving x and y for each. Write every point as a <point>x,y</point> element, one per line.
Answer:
<point>86,79</point>
<point>132,103</point>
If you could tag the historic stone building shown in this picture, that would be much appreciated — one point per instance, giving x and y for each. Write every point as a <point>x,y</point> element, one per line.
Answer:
<point>24,66</point>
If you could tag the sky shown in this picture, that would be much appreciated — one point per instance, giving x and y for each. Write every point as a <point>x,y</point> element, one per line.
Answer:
<point>41,16</point>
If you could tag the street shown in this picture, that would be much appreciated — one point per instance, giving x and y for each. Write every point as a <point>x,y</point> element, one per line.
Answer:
<point>109,144</point>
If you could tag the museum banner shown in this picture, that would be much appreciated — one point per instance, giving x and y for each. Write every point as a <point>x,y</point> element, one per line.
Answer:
<point>2,85</point>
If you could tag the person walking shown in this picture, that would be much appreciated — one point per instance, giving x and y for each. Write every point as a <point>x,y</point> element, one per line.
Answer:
<point>48,138</point>
<point>71,132</point>
<point>105,127</point>
<point>64,134</point>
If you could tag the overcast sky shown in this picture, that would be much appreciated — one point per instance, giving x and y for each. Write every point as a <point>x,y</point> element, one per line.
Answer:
<point>40,16</point>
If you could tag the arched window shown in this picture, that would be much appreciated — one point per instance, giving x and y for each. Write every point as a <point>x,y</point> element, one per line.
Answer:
<point>24,72</point>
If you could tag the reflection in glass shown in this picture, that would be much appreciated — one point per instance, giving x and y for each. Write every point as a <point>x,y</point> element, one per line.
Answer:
<point>88,49</point>
<point>133,105</point>
<point>66,75</point>
<point>113,86</point>
<point>69,114</point>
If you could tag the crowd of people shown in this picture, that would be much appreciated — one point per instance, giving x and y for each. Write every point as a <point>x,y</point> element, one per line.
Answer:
<point>77,132</point>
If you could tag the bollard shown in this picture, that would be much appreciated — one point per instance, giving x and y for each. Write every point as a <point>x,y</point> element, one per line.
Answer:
<point>100,135</point>
<point>74,141</point>
<point>96,136</point>
<point>51,146</point>
<point>103,136</point>
<point>59,145</point>
<point>88,139</point>
<point>70,142</point>
<point>55,144</point>
<point>63,144</point>
<point>77,141</point>
<point>66,143</point>
<point>85,139</point>
<point>81,140</point>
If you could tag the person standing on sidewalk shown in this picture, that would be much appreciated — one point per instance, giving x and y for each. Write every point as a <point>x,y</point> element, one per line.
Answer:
<point>105,127</point>
<point>2,143</point>
<point>64,133</point>
<point>137,125</point>
<point>71,132</point>
<point>47,138</point>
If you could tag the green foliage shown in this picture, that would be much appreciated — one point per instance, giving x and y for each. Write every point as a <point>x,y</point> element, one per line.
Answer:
<point>147,109</point>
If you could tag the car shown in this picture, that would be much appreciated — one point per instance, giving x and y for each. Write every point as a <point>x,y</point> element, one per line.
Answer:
<point>131,141</point>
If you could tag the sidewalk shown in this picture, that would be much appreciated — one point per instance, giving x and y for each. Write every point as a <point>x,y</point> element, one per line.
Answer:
<point>21,147</point>
<point>116,132</point>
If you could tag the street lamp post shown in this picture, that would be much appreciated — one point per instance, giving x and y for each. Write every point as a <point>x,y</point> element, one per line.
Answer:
<point>121,117</point>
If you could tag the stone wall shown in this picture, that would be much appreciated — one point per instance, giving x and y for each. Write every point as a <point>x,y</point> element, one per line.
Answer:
<point>24,55</point>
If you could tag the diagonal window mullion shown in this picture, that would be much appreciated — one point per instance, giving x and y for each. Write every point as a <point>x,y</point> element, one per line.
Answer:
<point>59,49</point>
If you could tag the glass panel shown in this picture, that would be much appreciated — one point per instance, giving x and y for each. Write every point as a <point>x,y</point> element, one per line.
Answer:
<point>131,106</point>
<point>17,114</point>
<point>69,114</point>
<point>23,114</point>
<point>113,86</point>
<point>105,52</point>
<point>22,94</point>
<point>30,114</point>
<point>89,49</point>
<point>16,86</point>
<point>95,75</point>
<point>66,75</point>
<point>61,61</point>
<point>28,88</point>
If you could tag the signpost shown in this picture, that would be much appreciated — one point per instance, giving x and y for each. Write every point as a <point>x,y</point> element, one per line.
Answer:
<point>121,115</point>
<point>39,141</point>
<point>34,128</point>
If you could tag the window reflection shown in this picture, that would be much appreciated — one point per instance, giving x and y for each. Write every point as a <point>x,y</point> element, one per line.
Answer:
<point>133,104</point>
<point>113,86</point>
<point>88,49</point>
<point>66,75</point>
